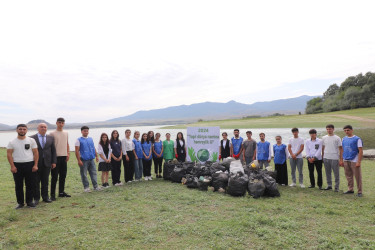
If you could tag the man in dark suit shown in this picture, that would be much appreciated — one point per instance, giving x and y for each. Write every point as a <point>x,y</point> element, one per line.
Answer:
<point>47,160</point>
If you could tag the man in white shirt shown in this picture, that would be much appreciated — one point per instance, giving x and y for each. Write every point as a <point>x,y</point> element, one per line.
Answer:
<point>331,153</point>
<point>22,154</point>
<point>295,148</point>
<point>313,147</point>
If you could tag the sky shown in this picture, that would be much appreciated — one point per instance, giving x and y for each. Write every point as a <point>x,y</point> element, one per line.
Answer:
<point>96,60</point>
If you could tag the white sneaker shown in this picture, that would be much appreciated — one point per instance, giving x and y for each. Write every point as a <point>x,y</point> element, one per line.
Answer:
<point>129,182</point>
<point>120,184</point>
<point>87,190</point>
<point>282,184</point>
<point>302,186</point>
<point>150,178</point>
<point>146,178</point>
<point>292,185</point>
<point>97,189</point>
<point>117,184</point>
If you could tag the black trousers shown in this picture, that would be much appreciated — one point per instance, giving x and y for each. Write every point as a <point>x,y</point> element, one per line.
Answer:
<point>24,172</point>
<point>281,173</point>
<point>41,182</point>
<point>158,165</point>
<point>318,164</point>
<point>146,167</point>
<point>116,171</point>
<point>128,166</point>
<point>59,172</point>
<point>181,157</point>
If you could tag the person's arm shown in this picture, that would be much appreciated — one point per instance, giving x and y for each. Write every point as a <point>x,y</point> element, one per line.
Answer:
<point>36,159</point>
<point>135,155</point>
<point>286,152</point>
<point>96,156</point>
<point>162,150</point>
<point>341,156</point>
<point>13,168</point>
<point>175,150</point>
<point>308,152</point>
<point>68,150</point>
<point>149,153</point>
<point>316,155</point>
<point>101,153</point>
<point>323,151</point>
<point>269,153</point>
<point>153,149</point>
<point>300,149</point>
<point>290,151</point>
<point>53,152</point>
<point>231,150</point>
<point>78,156</point>
<point>360,156</point>
<point>255,151</point>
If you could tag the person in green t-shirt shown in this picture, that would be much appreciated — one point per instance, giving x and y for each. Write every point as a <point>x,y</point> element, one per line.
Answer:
<point>168,148</point>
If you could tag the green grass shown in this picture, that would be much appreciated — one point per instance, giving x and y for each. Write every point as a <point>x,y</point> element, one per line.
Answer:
<point>289,121</point>
<point>161,214</point>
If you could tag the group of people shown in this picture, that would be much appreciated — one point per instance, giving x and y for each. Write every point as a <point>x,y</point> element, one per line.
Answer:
<point>331,150</point>
<point>33,159</point>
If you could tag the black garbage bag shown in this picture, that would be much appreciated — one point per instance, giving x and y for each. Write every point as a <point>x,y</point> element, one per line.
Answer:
<point>271,186</point>
<point>256,187</point>
<point>237,184</point>
<point>178,173</point>
<point>220,180</point>
<point>247,169</point>
<point>168,169</point>
<point>204,182</point>
<point>273,174</point>
<point>188,166</point>
<point>191,181</point>
<point>215,167</point>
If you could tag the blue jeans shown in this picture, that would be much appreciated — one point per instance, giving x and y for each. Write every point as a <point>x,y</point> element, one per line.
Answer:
<point>138,168</point>
<point>90,166</point>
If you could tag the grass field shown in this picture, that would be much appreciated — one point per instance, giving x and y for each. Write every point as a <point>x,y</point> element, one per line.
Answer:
<point>358,119</point>
<point>160,214</point>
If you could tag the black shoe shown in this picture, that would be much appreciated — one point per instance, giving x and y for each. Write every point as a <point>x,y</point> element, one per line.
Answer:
<point>311,186</point>
<point>36,202</point>
<point>349,192</point>
<point>359,195</point>
<point>63,194</point>
<point>320,188</point>
<point>20,206</point>
<point>48,200</point>
<point>53,198</point>
<point>328,188</point>
<point>31,205</point>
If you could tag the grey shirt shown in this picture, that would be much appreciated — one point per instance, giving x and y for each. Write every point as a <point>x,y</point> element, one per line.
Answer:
<point>249,147</point>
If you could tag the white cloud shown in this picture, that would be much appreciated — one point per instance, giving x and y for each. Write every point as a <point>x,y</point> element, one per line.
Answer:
<point>95,60</point>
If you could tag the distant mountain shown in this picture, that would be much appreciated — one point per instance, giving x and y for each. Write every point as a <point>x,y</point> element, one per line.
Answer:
<point>34,124</point>
<point>5,127</point>
<point>217,110</point>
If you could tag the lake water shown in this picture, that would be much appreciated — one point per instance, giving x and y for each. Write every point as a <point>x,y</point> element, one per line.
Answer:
<point>95,133</point>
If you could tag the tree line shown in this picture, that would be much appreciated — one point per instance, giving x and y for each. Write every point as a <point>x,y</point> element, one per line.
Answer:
<point>355,92</point>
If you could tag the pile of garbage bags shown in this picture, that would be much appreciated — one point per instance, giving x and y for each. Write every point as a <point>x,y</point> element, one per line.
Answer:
<point>229,176</point>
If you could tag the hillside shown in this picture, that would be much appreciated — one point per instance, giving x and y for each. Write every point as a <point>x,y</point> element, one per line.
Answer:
<point>216,110</point>
<point>359,118</point>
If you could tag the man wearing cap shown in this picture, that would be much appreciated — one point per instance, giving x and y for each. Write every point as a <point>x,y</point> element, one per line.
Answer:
<point>62,152</point>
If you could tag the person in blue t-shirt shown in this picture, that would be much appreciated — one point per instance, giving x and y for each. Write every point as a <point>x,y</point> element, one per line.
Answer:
<point>351,159</point>
<point>281,154</point>
<point>86,153</point>
<point>138,156</point>
<point>263,151</point>
<point>236,148</point>
<point>157,149</point>
<point>147,157</point>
